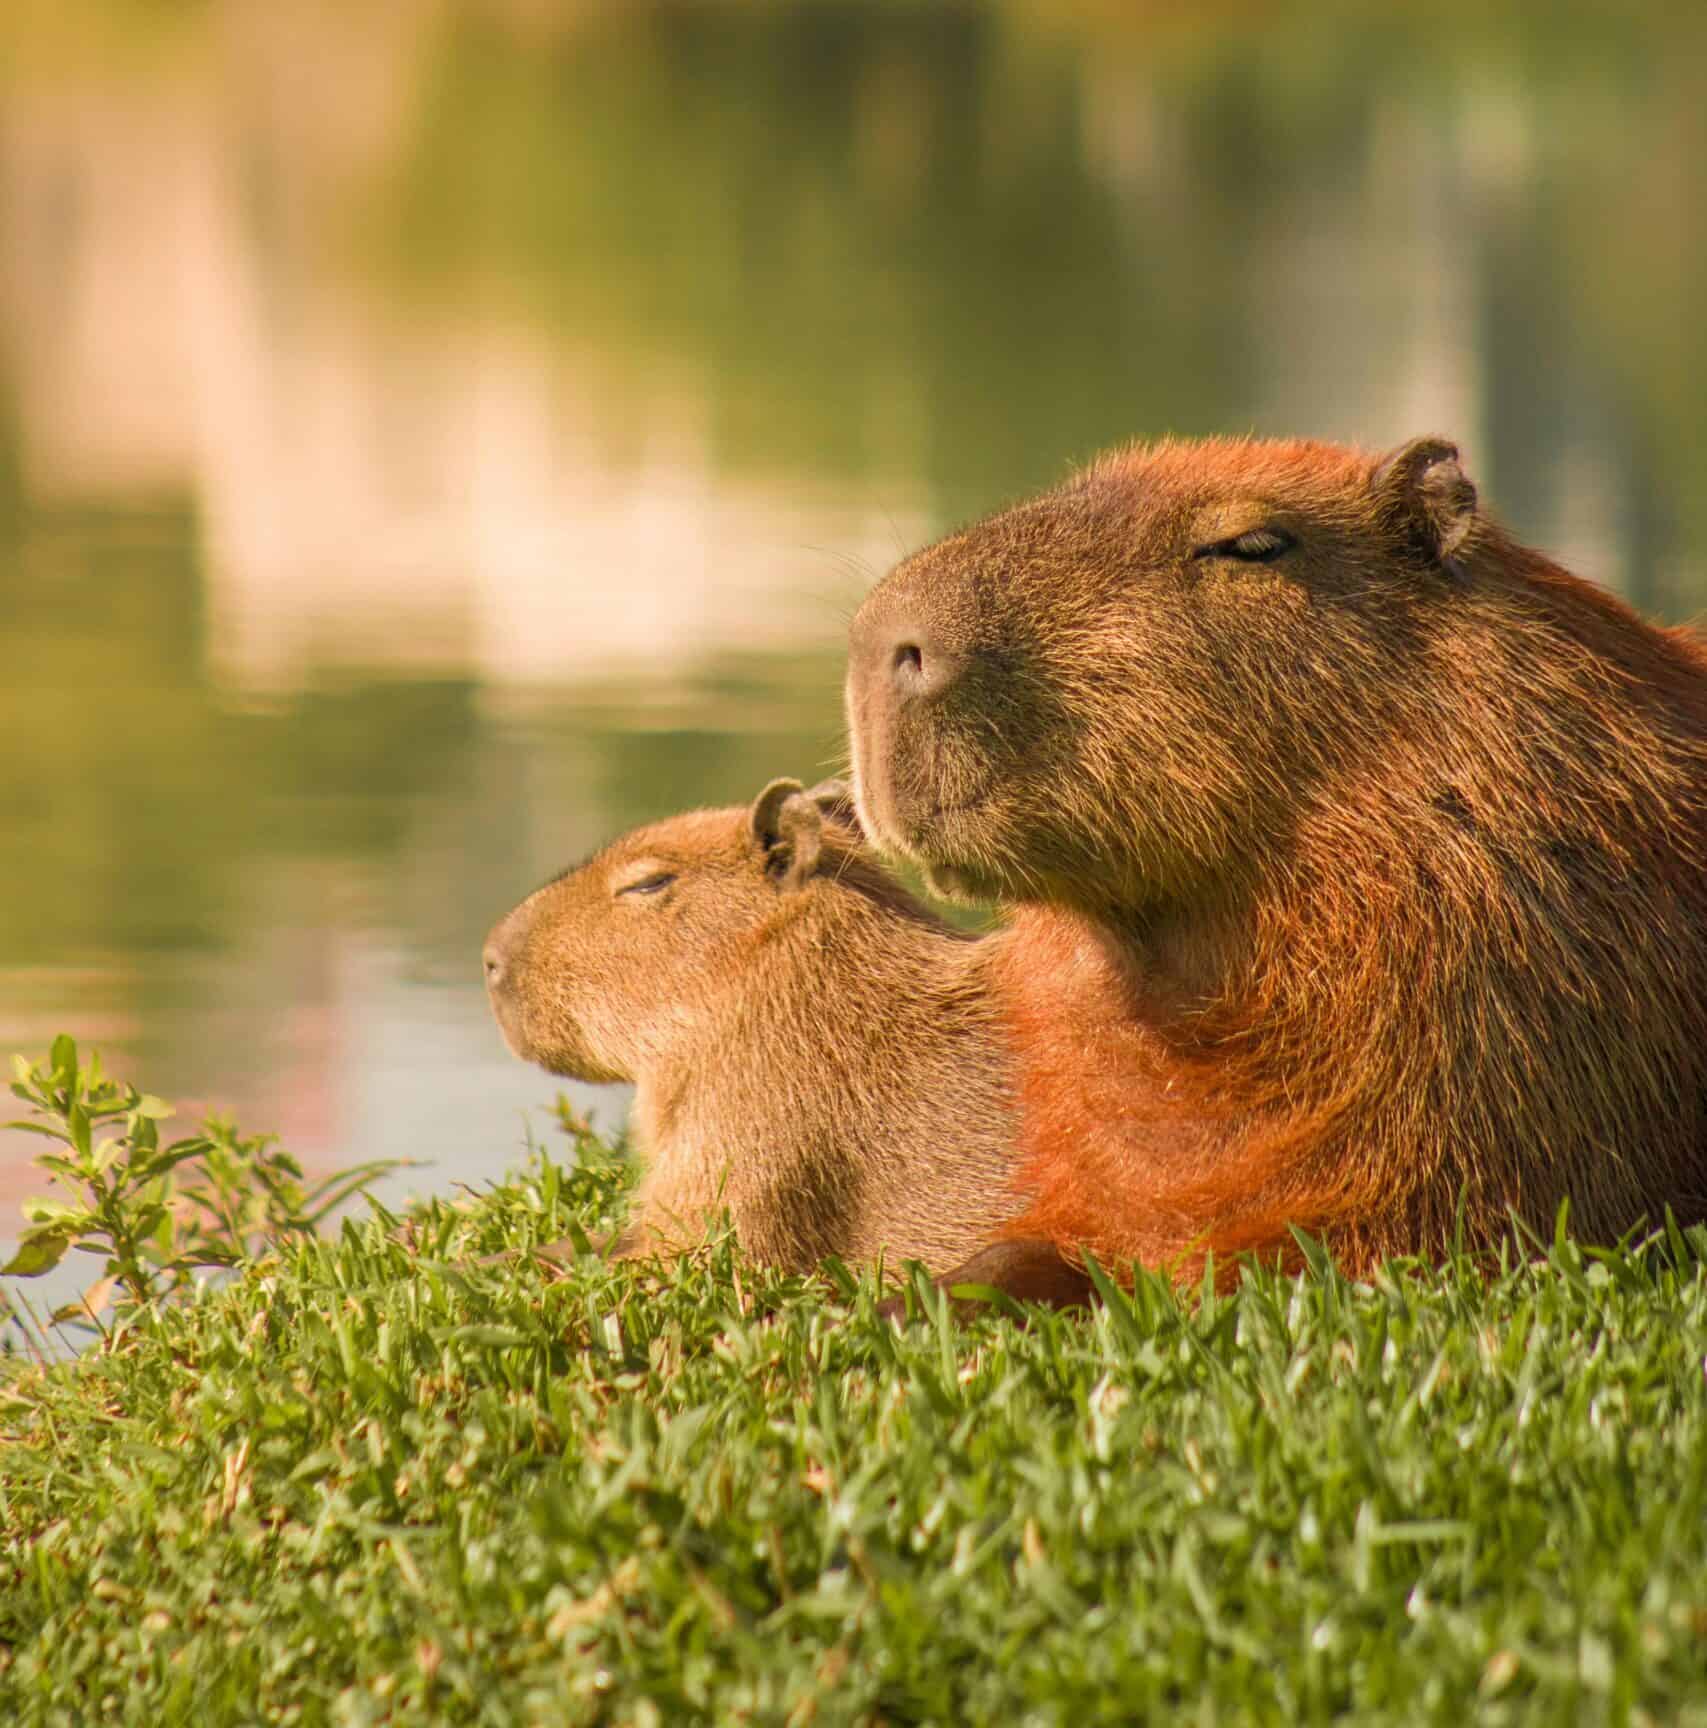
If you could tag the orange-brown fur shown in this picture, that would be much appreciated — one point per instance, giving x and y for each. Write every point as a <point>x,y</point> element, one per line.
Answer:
<point>811,1049</point>
<point>1363,888</point>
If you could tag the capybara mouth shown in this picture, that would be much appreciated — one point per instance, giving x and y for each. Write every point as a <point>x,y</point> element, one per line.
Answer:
<point>936,830</point>
<point>900,815</point>
<point>946,845</point>
<point>962,883</point>
<point>935,836</point>
<point>509,1020</point>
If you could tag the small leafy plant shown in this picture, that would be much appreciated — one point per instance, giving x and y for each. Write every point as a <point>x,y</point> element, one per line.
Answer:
<point>158,1214</point>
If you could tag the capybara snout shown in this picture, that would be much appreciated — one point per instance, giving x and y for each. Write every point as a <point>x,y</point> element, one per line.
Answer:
<point>912,662</point>
<point>506,940</point>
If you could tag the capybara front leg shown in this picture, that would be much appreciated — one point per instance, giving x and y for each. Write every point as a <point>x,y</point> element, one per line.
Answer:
<point>1028,1270</point>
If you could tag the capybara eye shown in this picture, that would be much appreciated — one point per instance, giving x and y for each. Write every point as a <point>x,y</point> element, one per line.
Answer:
<point>1256,547</point>
<point>652,884</point>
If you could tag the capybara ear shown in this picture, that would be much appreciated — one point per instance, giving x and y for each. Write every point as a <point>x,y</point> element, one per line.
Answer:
<point>767,811</point>
<point>1424,486</point>
<point>836,800</point>
<point>788,828</point>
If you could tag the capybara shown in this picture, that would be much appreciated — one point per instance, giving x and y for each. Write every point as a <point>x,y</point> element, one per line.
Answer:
<point>1359,855</point>
<point>810,1047</point>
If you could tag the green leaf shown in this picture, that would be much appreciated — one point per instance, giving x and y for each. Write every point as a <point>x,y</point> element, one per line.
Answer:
<point>39,1251</point>
<point>205,1254</point>
<point>1115,1301</point>
<point>1424,1530</point>
<point>355,1174</point>
<point>44,1209</point>
<point>1675,1242</point>
<point>335,1190</point>
<point>989,1294</point>
<point>51,1130</point>
<point>155,1109</point>
<point>63,1060</point>
<point>146,1220</point>
<point>77,1120</point>
<point>1316,1257</point>
<point>315,1464</point>
<point>489,1337</point>
<point>174,1155</point>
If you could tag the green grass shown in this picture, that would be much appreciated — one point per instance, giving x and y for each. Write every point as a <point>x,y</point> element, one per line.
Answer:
<point>362,1483</point>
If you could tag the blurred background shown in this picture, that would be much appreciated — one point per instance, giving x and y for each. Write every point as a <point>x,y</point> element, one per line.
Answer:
<point>436,436</point>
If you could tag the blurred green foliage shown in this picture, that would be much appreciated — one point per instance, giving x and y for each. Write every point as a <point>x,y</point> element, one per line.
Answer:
<point>886,239</point>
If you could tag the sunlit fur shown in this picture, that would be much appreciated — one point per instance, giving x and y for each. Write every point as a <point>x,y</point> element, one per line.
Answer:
<point>1354,887</point>
<point>822,1057</point>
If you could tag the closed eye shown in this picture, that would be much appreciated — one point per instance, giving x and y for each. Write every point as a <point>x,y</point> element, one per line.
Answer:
<point>1258,546</point>
<point>652,884</point>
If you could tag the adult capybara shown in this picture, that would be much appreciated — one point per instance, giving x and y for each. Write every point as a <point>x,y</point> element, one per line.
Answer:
<point>810,1047</point>
<point>1360,851</point>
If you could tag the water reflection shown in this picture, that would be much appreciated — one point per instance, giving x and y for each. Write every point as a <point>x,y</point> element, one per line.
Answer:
<point>433,439</point>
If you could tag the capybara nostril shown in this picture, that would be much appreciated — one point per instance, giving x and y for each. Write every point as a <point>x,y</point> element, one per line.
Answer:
<point>918,667</point>
<point>498,956</point>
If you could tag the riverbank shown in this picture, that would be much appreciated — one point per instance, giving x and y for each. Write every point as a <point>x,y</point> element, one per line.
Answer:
<point>369,1482</point>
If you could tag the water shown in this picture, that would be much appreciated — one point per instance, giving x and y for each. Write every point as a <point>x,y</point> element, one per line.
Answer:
<point>434,440</point>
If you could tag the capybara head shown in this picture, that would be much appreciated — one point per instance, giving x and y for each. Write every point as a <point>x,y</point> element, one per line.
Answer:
<point>1112,695</point>
<point>599,972</point>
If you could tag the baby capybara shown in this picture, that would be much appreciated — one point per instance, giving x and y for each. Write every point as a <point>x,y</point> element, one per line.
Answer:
<point>1360,854</point>
<point>810,1048</point>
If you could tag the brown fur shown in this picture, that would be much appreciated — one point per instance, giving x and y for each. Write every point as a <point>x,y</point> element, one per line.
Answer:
<point>1355,884</point>
<point>810,1048</point>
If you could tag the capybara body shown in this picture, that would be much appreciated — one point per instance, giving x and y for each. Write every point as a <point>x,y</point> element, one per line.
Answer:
<point>1358,853</point>
<point>811,1049</point>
